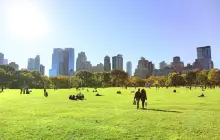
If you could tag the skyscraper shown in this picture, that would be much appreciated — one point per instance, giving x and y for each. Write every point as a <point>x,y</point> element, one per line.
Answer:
<point>31,64</point>
<point>107,64</point>
<point>71,59</point>
<point>62,62</point>
<point>117,62</point>
<point>204,52</point>
<point>129,68</point>
<point>177,65</point>
<point>204,58</point>
<point>144,68</point>
<point>65,63</point>
<point>176,59</point>
<point>42,69</point>
<point>80,61</point>
<point>5,62</point>
<point>34,63</point>
<point>55,62</point>
<point>98,68</point>
<point>37,63</point>
<point>1,58</point>
<point>163,65</point>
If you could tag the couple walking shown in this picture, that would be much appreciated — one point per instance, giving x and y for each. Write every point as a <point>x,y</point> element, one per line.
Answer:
<point>140,95</point>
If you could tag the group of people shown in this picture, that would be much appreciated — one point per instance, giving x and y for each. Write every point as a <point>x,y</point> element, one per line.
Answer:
<point>140,95</point>
<point>79,96</point>
<point>25,91</point>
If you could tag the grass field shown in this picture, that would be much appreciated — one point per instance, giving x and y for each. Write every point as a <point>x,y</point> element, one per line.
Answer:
<point>170,116</point>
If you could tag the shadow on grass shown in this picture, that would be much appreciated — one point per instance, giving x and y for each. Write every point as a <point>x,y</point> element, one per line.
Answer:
<point>160,110</point>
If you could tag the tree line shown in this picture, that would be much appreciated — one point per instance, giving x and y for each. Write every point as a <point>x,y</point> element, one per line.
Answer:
<point>9,78</point>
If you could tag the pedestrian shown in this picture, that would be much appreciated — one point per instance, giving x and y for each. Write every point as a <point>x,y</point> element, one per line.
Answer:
<point>137,97</point>
<point>143,97</point>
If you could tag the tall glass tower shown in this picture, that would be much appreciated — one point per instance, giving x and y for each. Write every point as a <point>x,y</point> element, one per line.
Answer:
<point>71,55</point>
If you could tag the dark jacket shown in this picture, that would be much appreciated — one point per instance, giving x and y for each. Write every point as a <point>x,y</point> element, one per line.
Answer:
<point>137,95</point>
<point>143,95</point>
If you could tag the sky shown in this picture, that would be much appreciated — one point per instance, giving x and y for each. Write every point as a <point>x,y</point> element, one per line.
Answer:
<point>155,29</point>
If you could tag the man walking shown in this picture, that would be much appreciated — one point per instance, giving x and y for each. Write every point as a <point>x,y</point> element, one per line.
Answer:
<point>137,97</point>
<point>143,97</point>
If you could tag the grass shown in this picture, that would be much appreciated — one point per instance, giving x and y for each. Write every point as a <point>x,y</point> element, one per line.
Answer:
<point>170,116</point>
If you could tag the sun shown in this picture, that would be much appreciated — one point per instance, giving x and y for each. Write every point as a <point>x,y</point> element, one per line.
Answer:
<point>25,20</point>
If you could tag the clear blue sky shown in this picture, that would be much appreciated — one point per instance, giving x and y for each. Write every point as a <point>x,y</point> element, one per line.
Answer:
<point>155,29</point>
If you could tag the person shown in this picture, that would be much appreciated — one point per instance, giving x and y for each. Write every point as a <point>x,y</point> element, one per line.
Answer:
<point>143,97</point>
<point>21,91</point>
<point>202,95</point>
<point>137,97</point>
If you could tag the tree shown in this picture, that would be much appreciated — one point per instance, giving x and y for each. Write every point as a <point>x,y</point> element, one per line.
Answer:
<point>162,80</point>
<point>119,77</point>
<point>175,79</point>
<point>190,77</point>
<point>98,79</point>
<point>75,82</point>
<point>213,77</point>
<point>106,79</point>
<point>202,77</point>
<point>8,69</point>
<point>85,77</point>
<point>136,82</point>
<point>38,81</point>
<point>2,77</point>
<point>47,82</point>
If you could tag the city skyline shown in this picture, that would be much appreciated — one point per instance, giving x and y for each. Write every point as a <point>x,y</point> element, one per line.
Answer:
<point>134,28</point>
<point>203,53</point>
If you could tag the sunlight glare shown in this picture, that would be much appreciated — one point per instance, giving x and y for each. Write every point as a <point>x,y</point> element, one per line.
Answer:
<point>25,20</point>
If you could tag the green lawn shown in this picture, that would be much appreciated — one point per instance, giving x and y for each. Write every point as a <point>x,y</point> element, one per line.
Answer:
<point>170,116</point>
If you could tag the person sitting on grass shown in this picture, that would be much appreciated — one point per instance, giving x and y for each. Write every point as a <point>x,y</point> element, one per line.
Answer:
<point>27,91</point>
<point>202,95</point>
<point>80,96</point>
<point>97,94</point>
<point>72,97</point>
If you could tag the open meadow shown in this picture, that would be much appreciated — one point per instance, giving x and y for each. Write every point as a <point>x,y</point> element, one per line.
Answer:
<point>170,116</point>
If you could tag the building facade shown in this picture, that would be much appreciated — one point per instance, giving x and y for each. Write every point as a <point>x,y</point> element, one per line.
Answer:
<point>177,65</point>
<point>54,71</point>
<point>107,64</point>
<point>34,63</point>
<point>37,63</point>
<point>117,62</point>
<point>5,62</point>
<point>163,65</point>
<point>63,62</point>
<point>81,62</point>
<point>163,72</point>
<point>1,58</point>
<point>129,68</point>
<point>204,58</point>
<point>42,69</point>
<point>31,64</point>
<point>98,68</point>
<point>71,60</point>
<point>144,68</point>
